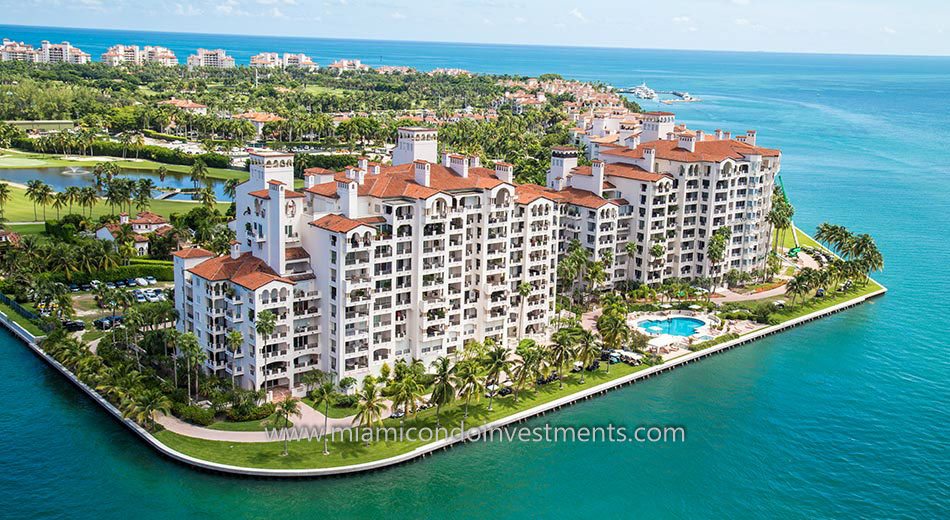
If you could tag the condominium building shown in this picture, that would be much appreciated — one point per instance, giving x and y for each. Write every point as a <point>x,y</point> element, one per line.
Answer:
<point>348,65</point>
<point>269,60</point>
<point>18,51</point>
<point>135,55</point>
<point>47,53</point>
<point>217,59</point>
<point>409,261</point>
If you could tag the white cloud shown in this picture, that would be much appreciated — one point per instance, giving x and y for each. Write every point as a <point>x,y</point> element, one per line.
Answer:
<point>520,20</point>
<point>187,10</point>
<point>398,16</point>
<point>681,19</point>
<point>742,21</point>
<point>741,2</point>
<point>889,30</point>
<point>275,13</point>
<point>272,2</point>
<point>577,14</point>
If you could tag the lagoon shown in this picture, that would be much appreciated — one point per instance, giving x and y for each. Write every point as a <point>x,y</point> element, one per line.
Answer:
<point>60,178</point>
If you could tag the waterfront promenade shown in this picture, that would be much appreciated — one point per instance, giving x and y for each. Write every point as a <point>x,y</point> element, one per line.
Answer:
<point>427,449</point>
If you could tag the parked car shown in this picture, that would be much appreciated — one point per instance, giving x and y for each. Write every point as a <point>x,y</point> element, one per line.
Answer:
<point>120,283</point>
<point>504,391</point>
<point>73,287</point>
<point>397,414</point>
<point>74,325</point>
<point>151,280</point>
<point>141,282</point>
<point>102,324</point>
<point>96,283</point>
<point>140,298</point>
<point>110,285</point>
<point>131,282</point>
<point>85,287</point>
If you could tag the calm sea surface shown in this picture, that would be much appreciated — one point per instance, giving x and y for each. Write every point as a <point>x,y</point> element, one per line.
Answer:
<point>846,417</point>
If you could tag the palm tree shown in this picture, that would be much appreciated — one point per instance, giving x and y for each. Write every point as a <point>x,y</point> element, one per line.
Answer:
<point>561,350</point>
<point>407,393</point>
<point>162,172</point>
<point>230,188</point>
<point>587,350</point>
<point>325,395</point>
<point>470,384</point>
<point>199,172</point>
<point>235,339</point>
<point>59,201</point>
<point>33,189</point>
<point>369,410</point>
<point>496,362</point>
<point>266,323</point>
<point>443,385</point>
<point>207,198</point>
<point>5,194</point>
<point>189,347</point>
<point>527,365</point>
<point>144,403</point>
<point>126,139</point>
<point>289,407</point>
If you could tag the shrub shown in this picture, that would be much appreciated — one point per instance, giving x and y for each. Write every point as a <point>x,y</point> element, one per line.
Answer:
<point>193,414</point>
<point>330,162</point>
<point>162,273</point>
<point>151,152</point>
<point>255,414</point>
<point>346,401</point>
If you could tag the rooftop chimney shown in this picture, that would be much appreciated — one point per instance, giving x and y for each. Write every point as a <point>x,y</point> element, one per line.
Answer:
<point>504,172</point>
<point>750,137</point>
<point>422,173</point>
<point>363,163</point>
<point>598,168</point>
<point>649,158</point>
<point>235,249</point>
<point>718,134</point>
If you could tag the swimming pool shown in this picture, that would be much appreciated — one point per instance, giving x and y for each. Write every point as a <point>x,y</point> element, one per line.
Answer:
<point>675,326</point>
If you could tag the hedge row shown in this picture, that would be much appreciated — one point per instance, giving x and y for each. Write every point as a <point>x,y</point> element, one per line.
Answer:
<point>150,152</point>
<point>159,135</point>
<point>193,414</point>
<point>161,273</point>
<point>256,414</point>
<point>150,261</point>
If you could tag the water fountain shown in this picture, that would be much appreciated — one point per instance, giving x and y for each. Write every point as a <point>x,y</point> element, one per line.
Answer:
<point>75,170</point>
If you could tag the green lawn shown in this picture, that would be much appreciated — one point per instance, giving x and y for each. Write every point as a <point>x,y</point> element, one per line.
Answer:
<point>20,320</point>
<point>815,304</point>
<point>20,209</point>
<point>92,335</point>
<point>318,89</point>
<point>28,229</point>
<point>789,242</point>
<point>345,451</point>
<point>244,426</point>
<point>334,412</point>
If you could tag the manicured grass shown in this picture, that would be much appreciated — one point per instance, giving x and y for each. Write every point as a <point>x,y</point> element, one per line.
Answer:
<point>334,412</point>
<point>353,451</point>
<point>816,304</point>
<point>789,242</point>
<point>92,335</point>
<point>28,229</point>
<point>20,209</point>
<point>245,426</point>
<point>318,89</point>
<point>20,320</point>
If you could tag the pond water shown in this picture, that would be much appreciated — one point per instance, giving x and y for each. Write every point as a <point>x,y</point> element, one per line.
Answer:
<point>62,178</point>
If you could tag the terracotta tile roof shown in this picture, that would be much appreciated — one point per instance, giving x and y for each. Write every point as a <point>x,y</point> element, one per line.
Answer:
<point>625,171</point>
<point>147,217</point>
<point>705,151</point>
<point>317,171</point>
<point>182,103</point>
<point>265,194</point>
<point>399,181</point>
<point>193,252</point>
<point>246,270</point>
<point>258,117</point>
<point>526,193</point>
<point>372,220</point>
<point>296,253</point>
<point>336,223</point>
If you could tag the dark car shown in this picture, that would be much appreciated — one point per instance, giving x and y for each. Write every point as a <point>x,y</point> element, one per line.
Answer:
<point>593,366</point>
<point>102,324</point>
<point>74,326</point>
<point>120,283</point>
<point>73,287</point>
<point>85,287</point>
<point>504,391</point>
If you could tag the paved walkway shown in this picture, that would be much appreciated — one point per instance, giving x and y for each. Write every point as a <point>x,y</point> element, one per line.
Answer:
<point>308,418</point>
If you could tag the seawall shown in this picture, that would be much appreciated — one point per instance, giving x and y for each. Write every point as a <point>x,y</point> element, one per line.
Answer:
<point>423,451</point>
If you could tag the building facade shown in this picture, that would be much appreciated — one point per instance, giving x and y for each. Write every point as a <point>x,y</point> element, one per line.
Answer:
<point>135,55</point>
<point>411,260</point>
<point>273,60</point>
<point>217,59</point>
<point>47,53</point>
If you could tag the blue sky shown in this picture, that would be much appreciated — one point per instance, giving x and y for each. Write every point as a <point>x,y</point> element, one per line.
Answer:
<point>846,26</point>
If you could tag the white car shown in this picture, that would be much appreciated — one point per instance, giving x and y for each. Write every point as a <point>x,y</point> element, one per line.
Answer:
<point>141,282</point>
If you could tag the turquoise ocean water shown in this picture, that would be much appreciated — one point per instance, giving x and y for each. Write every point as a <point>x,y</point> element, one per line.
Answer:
<point>845,417</point>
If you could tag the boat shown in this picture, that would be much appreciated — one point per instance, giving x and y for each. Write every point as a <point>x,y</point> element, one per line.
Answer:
<point>642,91</point>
